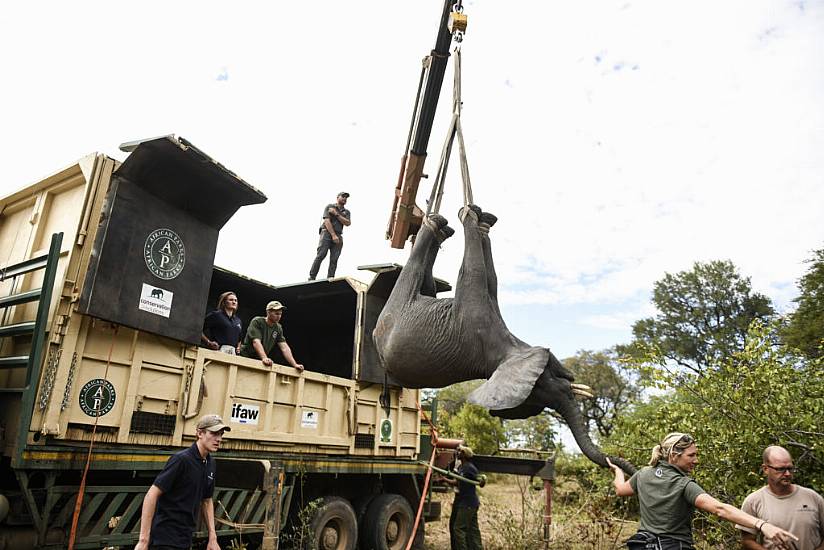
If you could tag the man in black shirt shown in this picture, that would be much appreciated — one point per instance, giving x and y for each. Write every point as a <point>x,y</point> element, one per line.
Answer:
<point>335,216</point>
<point>184,486</point>
<point>464,532</point>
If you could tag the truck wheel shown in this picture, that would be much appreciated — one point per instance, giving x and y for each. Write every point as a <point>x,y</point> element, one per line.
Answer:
<point>333,525</point>
<point>388,523</point>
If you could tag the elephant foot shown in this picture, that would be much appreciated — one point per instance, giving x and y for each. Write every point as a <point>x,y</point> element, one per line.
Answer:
<point>485,221</point>
<point>472,211</point>
<point>438,225</point>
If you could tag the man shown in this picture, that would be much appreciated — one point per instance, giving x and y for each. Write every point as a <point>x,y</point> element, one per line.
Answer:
<point>262,335</point>
<point>185,485</point>
<point>784,504</point>
<point>335,216</point>
<point>464,533</point>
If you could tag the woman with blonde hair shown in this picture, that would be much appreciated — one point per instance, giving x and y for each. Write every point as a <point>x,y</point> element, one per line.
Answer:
<point>222,327</point>
<point>668,496</point>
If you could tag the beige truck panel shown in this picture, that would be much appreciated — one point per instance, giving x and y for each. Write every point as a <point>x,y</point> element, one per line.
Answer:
<point>269,408</point>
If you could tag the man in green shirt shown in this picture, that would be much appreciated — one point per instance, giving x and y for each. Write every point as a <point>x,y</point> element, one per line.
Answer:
<point>262,335</point>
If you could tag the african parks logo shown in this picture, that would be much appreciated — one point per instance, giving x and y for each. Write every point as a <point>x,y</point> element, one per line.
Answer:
<point>164,253</point>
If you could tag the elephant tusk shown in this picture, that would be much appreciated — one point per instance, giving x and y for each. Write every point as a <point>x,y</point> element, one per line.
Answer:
<point>583,393</point>
<point>580,387</point>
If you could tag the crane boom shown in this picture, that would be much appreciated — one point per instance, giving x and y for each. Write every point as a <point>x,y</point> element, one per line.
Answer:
<point>406,216</point>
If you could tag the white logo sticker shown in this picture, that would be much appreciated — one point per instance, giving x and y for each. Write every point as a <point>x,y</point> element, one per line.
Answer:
<point>164,253</point>
<point>309,419</point>
<point>156,300</point>
<point>245,414</point>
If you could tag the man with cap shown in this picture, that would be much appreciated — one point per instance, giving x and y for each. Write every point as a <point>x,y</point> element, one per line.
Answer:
<point>464,533</point>
<point>184,486</point>
<point>335,216</point>
<point>262,335</point>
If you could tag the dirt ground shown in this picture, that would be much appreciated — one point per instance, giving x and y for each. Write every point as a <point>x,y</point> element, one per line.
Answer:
<point>511,518</point>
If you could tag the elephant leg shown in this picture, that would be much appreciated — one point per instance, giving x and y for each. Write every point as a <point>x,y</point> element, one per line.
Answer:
<point>471,291</point>
<point>417,273</point>
<point>485,221</point>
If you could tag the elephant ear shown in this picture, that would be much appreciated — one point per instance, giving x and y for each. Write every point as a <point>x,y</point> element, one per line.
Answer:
<point>512,381</point>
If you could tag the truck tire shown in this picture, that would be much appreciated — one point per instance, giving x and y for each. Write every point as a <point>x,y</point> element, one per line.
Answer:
<point>388,523</point>
<point>333,526</point>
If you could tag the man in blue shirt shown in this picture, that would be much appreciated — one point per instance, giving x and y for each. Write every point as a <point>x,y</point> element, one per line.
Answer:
<point>335,216</point>
<point>184,487</point>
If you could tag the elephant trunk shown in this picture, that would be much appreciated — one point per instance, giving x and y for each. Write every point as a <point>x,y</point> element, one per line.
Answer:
<point>570,411</point>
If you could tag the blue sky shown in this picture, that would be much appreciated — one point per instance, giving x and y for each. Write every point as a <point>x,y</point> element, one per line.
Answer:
<point>616,141</point>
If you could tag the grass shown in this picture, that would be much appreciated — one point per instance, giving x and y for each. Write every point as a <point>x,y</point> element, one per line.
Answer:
<point>511,518</point>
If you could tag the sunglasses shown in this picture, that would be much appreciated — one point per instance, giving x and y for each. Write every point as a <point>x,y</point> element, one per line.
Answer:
<point>783,470</point>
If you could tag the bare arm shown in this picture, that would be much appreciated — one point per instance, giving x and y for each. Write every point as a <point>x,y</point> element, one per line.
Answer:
<point>209,343</point>
<point>287,354</point>
<point>208,509</point>
<point>261,352</point>
<point>327,223</point>
<point>731,513</point>
<point>147,515</point>
<point>749,542</point>
<point>622,487</point>
<point>343,219</point>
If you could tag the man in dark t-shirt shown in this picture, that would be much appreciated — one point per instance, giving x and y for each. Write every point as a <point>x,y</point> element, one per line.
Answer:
<point>184,487</point>
<point>464,533</point>
<point>335,217</point>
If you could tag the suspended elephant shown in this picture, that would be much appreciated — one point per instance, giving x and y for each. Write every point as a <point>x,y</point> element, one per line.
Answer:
<point>429,342</point>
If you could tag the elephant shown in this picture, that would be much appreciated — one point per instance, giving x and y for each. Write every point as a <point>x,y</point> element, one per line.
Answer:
<point>428,342</point>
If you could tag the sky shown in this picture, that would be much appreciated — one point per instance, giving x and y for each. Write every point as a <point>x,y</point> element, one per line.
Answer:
<point>616,141</point>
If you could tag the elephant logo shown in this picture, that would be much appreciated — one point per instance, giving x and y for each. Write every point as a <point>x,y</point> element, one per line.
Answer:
<point>157,293</point>
<point>164,253</point>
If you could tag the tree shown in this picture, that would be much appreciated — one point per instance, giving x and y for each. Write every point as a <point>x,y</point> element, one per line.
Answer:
<point>805,329</point>
<point>480,430</point>
<point>536,432</point>
<point>703,316</point>
<point>611,383</point>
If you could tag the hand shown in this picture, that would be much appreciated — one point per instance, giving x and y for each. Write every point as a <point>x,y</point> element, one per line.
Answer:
<point>213,345</point>
<point>266,362</point>
<point>335,239</point>
<point>333,211</point>
<point>612,466</point>
<point>142,545</point>
<point>213,545</point>
<point>779,537</point>
<point>298,367</point>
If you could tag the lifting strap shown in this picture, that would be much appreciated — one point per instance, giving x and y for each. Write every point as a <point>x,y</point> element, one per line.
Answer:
<point>455,129</point>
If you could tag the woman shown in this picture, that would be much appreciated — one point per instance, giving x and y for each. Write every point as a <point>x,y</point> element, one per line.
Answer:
<point>222,328</point>
<point>668,497</point>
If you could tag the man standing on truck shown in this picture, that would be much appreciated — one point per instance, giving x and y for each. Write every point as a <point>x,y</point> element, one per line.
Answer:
<point>184,486</point>
<point>262,335</point>
<point>335,216</point>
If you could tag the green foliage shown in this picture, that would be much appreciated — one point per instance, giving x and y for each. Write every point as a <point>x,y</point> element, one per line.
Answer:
<point>612,386</point>
<point>536,432</point>
<point>805,329</point>
<point>703,316</point>
<point>759,396</point>
<point>479,429</point>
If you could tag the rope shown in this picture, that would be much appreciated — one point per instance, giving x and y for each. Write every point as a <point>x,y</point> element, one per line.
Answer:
<point>79,502</point>
<point>455,129</point>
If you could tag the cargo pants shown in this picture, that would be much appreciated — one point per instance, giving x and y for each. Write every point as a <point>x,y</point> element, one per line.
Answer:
<point>464,533</point>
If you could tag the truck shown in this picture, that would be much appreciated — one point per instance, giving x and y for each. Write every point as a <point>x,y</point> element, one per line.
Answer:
<point>107,273</point>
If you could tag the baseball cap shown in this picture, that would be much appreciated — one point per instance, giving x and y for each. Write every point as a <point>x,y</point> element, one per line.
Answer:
<point>343,194</point>
<point>212,423</point>
<point>467,451</point>
<point>274,304</point>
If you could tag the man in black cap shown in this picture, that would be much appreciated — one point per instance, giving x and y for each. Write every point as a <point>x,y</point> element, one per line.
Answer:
<point>464,533</point>
<point>184,487</point>
<point>335,216</point>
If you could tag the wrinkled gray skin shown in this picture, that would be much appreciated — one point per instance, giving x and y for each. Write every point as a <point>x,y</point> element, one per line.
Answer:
<point>428,342</point>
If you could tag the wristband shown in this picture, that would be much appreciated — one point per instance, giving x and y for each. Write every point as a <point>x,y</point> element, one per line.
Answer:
<point>758,526</point>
